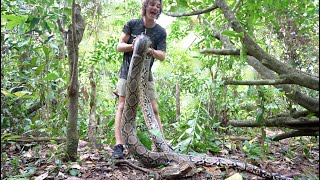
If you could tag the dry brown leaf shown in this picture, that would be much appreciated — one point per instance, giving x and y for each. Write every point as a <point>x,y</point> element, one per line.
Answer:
<point>28,154</point>
<point>213,170</point>
<point>61,175</point>
<point>75,166</point>
<point>236,176</point>
<point>42,176</point>
<point>12,148</point>
<point>73,178</point>
<point>53,147</point>
<point>84,157</point>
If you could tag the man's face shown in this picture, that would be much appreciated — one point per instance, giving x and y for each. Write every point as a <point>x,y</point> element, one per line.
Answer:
<point>153,9</point>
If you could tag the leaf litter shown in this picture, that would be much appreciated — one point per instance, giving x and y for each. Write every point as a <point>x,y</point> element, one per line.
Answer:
<point>40,161</point>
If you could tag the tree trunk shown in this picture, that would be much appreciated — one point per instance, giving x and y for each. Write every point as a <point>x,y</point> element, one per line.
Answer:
<point>75,33</point>
<point>178,101</point>
<point>92,116</point>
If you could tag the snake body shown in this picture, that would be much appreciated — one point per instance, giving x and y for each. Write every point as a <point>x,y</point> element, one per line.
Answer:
<point>148,113</point>
<point>150,158</point>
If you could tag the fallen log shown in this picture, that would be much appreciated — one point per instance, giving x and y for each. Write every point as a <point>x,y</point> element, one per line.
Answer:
<point>288,122</point>
<point>295,133</point>
<point>33,139</point>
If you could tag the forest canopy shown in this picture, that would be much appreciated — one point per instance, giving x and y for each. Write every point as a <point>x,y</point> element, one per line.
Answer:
<point>232,68</point>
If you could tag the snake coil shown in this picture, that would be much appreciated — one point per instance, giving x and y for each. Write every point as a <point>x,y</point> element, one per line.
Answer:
<point>129,134</point>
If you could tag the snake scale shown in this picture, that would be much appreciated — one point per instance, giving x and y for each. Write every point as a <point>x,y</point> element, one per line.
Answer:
<point>129,134</point>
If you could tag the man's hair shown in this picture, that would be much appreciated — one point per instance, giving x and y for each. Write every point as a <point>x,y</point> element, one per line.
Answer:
<point>145,4</point>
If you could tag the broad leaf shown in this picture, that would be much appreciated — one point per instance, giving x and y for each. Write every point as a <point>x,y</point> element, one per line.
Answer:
<point>14,20</point>
<point>51,76</point>
<point>259,115</point>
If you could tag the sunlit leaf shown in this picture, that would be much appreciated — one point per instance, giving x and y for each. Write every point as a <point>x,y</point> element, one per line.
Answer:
<point>6,93</point>
<point>21,93</point>
<point>145,139</point>
<point>7,137</point>
<point>232,33</point>
<point>51,76</point>
<point>259,115</point>
<point>13,20</point>
<point>189,131</point>
<point>182,3</point>
<point>155,132</point>
<point>74,172</point>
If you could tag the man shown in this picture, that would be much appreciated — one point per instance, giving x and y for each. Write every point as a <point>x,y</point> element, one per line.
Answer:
<point>151,9</point>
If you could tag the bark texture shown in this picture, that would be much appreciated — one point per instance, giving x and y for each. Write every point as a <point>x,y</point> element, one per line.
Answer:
<point>75,33</point>
<point>92,116</point>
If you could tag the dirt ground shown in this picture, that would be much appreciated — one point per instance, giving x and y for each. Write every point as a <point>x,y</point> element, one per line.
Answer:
<point>43,161</point>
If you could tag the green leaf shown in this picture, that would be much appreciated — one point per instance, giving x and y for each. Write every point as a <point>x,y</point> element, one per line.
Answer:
<point>145,139</point>
<point>6,93</point>
<point>232,33</point>
<point>28,97</point>
<point>32,21</point>
<point>183,145</point>
<point>243,53</point>
<point>46,51</point>
<point>306,151</point>
<point>192,122</point>
<point>311,116</point>
<point>7,137</point>
<point>33,61</point>
<point>173,8</point>
<point>189,131</point>
<point>39,68</point>
<point>74,172</point>
<point>182,3</point>
<point>13,20</point>
<point>155,132</point>
<point>111,123</point>
<point>51,76</point>
<point>21,93</point>
<point>229,33</point>
<point>259,116</point>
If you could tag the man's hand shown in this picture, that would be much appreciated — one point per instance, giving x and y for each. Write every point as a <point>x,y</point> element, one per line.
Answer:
<point>134,40</point>
<point>150,52</point>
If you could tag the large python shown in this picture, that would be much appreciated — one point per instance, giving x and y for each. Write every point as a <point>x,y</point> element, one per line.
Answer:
<point>150,158</point>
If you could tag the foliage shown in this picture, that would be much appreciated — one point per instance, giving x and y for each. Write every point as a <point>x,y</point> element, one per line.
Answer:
<point>31,45</point>
<point>34,69</point>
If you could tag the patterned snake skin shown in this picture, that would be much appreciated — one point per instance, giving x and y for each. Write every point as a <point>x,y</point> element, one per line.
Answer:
<point>129,134</point>
<point>148,113</point>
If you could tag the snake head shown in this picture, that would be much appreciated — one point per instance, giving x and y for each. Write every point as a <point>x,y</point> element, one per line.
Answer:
<point>142,43</point>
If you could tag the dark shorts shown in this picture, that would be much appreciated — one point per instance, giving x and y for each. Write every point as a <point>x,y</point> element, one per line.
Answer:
<point>121,89</point>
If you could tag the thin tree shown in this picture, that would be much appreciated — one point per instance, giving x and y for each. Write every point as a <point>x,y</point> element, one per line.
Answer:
<point>75,33</point>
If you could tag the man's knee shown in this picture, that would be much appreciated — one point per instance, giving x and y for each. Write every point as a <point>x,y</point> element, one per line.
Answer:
<point>156,111</point>
<point>155,107</point>
<point>120,106</point>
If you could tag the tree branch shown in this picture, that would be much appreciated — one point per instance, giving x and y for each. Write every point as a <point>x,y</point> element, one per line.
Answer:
<point>196,12</point>
<point>34,139</point>
<point>221,51</point>
<point>289,122</point>
<point>266,59</point>
<point>257,82</point>
<point>295,134</point>
<point>119,162</point>
<point>236,6</point>
<point>310,103</point>
<point>61,29</point>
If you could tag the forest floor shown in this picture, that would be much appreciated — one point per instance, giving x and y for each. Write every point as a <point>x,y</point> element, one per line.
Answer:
<point>43,161</point>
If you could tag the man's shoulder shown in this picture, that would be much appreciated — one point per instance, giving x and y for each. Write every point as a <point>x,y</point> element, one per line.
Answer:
<point>160,29</point>
<point>135,20</point>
